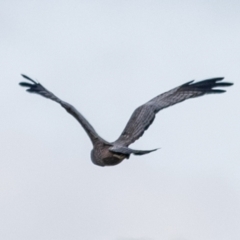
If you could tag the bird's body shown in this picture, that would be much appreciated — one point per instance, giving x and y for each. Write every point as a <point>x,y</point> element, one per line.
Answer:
<point>101,156</point>
<point>106,153</point>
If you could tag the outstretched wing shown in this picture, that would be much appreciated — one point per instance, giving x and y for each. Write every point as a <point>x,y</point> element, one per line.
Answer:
<point>36,87</point>
<point>144,115</point>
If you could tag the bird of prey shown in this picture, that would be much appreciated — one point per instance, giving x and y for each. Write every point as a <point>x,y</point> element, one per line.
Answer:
<point>106,153</point>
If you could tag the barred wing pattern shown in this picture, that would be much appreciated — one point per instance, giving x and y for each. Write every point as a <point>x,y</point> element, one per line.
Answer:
<point>36,87</point>
<point>144,115</point>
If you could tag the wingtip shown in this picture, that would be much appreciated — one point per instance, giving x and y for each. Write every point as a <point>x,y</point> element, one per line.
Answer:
<point>229,84</point>
<point>25,76</point>
<point>30,79</point>
<point>25,84</point>
<point>217,78</point>
<point>222,84</point>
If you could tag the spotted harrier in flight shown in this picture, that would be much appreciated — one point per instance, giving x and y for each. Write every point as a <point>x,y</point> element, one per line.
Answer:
<point>106,153</point>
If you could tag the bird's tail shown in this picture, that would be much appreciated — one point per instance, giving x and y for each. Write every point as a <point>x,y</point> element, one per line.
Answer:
<point>128,151</point>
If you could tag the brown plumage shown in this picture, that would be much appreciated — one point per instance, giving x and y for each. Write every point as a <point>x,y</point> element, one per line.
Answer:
<point>106,153</point>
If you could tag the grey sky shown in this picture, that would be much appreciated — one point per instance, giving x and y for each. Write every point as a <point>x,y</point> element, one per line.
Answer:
<point>107,58</point>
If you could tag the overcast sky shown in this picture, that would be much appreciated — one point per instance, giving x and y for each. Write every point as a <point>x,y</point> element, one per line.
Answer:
<point>107,58</point>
